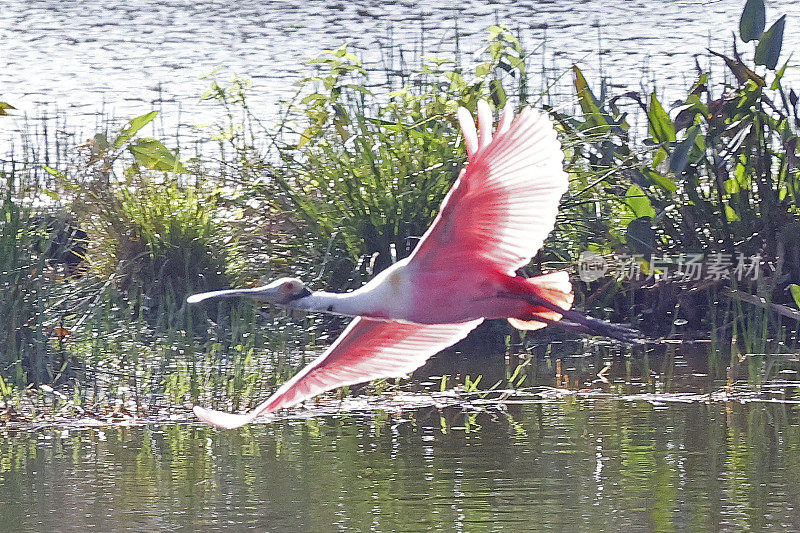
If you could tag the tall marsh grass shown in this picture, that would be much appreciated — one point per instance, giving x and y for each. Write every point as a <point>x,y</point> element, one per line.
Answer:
<point>25,353</point>
<point>347,182</point>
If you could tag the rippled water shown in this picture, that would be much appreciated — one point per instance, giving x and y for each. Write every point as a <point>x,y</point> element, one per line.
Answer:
<point>600,464</point>
<point>653,443</point>
<point>126,58</point>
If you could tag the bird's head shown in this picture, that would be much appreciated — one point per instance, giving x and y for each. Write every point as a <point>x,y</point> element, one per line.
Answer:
<point>282,291</point>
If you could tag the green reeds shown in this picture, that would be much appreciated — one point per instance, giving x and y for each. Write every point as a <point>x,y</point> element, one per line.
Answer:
<point>715,176</point>
<point>352,178</point>
<point>25,353</point>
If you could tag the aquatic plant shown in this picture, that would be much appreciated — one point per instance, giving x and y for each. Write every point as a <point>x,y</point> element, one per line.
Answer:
<point>24,351</point>
<point>356,176</point>
<point>151,230</point>
<point>717,176</point>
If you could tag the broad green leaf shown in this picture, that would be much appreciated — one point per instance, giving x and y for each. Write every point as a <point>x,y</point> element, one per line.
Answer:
<point>638,202</point>
<point>62,178</point>
<point>439,61</point>
<point>307,135</point>
<point>659,156</point>
<point>740,70</point>
<point>153,155</point>
<point>731,186</point>
<point>660,126</point>
<point>498,94</point>
<point>740,172</point>
<point>517,63</point>
<point>133,128</point>
<point>102,142</point>
<point>768,49</point>
<point>595,119</point>
<point>53,172</point>
<point>660,180</point>
<point>313,98</point>
<point>341,116</point>
<point>776,82</point>
<point>3,107</point>
<point>680,154</point>
<point>99,148</point>
<point>483,70</point>
<point>585,96</point>
<point>730,214</point>
<point>751,25</point>
<point>359,88</point>
<point>641,236</point>
<point>795,293</point>
<point>456,80</point>
<point>52,194</point>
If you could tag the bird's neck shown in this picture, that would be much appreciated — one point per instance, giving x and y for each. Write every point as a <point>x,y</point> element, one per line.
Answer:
<point>349,304</point>
<point>387,296</point>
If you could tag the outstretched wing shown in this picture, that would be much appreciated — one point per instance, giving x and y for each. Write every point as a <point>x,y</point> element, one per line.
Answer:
<point>368,349</point>
<point>505,201</point>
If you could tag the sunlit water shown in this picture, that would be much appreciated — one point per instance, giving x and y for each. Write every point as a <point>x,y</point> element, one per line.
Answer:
<point>572,464</point>
<point>125,58</point>
<point>653,443</point>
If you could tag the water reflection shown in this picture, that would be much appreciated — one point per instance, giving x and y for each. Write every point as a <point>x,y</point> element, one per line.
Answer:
<point>683,371</point>
<point>589,464</point>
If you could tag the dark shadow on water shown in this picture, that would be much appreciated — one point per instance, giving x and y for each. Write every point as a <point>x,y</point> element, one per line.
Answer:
<point>679,367</point>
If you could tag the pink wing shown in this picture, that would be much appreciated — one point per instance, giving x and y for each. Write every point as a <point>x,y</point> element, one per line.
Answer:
<point>505,201</point>
<point>368,349</point>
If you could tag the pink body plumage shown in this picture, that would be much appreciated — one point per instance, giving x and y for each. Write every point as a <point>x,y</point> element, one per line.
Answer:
<point>493,221</point>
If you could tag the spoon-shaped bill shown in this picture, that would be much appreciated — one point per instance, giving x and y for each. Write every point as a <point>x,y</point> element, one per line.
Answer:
<point>228,293</point>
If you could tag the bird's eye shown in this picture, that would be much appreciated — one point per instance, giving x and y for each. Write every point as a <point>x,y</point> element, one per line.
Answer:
<point>291,287</point>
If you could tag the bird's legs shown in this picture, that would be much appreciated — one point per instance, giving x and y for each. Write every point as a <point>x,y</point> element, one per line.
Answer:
<point>573,320</point>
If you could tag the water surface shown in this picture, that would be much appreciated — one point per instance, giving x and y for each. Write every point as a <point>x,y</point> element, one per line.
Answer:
<point>593,464</point>
<point>127,58</point>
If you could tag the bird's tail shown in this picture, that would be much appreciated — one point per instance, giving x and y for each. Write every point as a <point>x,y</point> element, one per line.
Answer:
<point>551,299</point>
<point>555,288</point>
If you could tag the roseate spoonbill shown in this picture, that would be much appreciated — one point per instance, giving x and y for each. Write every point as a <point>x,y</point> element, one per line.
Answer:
<point>492,222</point>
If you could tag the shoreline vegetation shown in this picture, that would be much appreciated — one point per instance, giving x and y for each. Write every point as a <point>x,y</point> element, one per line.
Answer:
<point>688,228</point>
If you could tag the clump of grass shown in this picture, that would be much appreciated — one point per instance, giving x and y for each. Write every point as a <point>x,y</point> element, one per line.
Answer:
<point>154,232</point>
<point>357,177</point>
<point>25,354</point>
<point>176,247</point>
